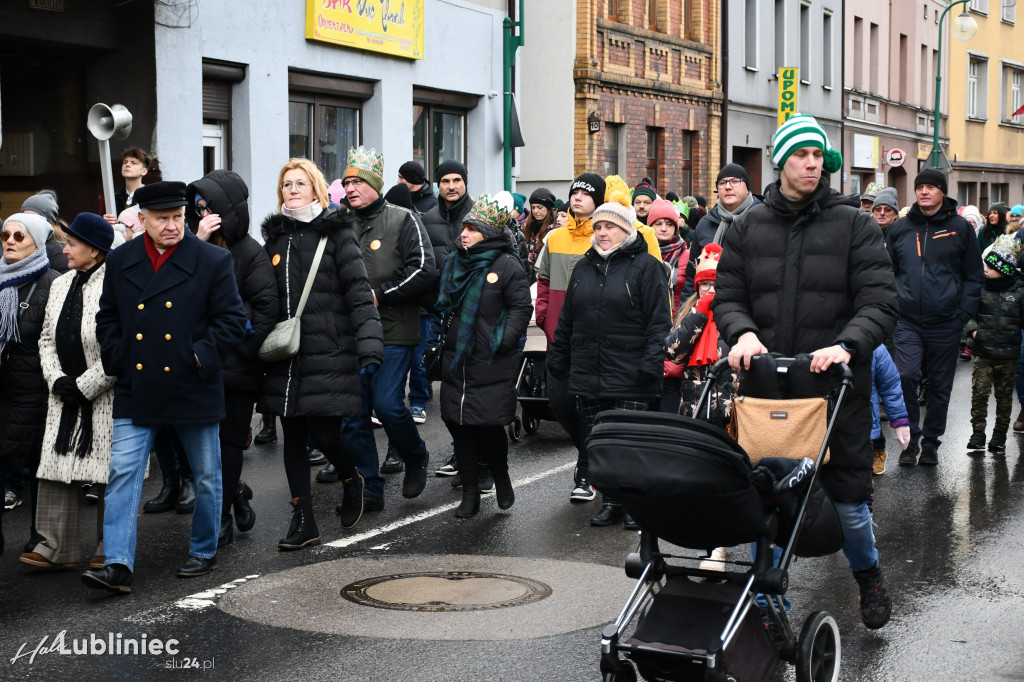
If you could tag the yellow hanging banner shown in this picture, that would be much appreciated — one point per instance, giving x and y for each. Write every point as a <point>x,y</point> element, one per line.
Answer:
<point>788,83</point>
<point>393,27</point>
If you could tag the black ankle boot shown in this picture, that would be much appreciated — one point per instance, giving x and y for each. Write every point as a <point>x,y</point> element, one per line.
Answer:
<point>268,434</point>
<point>187,497</point>
<point>245,517</point>
<point>168,495</point>
<point>503,490</point>
<point>227,530</point>
<point>303,531</point>
<point>611,513</point>
<point>470,502</point>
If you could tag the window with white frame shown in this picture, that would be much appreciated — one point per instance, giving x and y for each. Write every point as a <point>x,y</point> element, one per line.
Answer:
<point>977,87</point>
<point>1010,93</point>
<point>979,6</point>
<point>826,61</point>
<point>1009,11</point>
<point>750,34</point>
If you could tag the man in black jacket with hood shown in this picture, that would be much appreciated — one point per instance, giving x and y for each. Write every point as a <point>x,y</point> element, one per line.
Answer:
<point>939,278</point>
<point>806,272</point>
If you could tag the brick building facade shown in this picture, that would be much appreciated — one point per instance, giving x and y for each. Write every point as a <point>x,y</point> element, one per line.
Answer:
<point>648,94</point>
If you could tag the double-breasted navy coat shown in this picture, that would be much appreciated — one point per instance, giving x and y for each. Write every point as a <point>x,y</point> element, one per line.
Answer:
<point>153,327</point>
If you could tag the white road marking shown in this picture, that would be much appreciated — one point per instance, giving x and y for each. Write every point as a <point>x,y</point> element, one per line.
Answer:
<point>207,598</point>
<point>430,513</point>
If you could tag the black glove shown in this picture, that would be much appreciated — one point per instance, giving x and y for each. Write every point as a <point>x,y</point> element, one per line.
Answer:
<point>67,389</point>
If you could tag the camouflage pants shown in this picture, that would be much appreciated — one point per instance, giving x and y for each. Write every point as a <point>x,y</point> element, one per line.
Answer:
<point>989,376</point>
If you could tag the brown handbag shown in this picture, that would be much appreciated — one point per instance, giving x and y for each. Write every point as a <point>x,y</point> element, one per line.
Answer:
<point>792,428</point>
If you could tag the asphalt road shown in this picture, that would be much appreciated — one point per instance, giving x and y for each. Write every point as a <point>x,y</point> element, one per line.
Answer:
<point>951,540</point>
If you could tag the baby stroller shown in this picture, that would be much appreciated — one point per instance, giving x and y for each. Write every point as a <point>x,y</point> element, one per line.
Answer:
<point>532,389</point>
<point>688,483</point>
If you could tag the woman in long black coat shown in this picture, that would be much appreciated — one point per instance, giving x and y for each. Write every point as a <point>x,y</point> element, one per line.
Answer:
<point>486,306</point>
<point>25,278</point>
<point>219,214</point>
<point>608,342</point>
<point>341,337</point>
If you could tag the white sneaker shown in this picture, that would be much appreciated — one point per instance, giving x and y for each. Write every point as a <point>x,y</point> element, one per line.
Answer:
<point>582,491</point>
<point>374,420</point>
<point>419,415</point>
<point>715,562</point>
<point>11,500</point>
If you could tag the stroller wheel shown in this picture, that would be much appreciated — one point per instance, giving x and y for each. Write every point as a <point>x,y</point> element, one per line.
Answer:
<point>624,674</point>
<point>819,656</point>
<point>515,430</point>
<point>531,424</point>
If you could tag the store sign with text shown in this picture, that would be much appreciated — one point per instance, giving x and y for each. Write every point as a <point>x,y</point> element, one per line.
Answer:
<point>788,83</point>
<point>392,27</point>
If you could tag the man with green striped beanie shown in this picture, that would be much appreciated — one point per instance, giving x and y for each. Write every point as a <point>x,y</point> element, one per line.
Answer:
<point>803,274</point>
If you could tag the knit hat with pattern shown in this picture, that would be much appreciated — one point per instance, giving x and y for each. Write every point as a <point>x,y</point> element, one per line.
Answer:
<point>802,131</point>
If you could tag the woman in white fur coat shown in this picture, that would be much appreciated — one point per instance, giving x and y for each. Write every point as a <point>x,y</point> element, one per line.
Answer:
<point>79,417</point>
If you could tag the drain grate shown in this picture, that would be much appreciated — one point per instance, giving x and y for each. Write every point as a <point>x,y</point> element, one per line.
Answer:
<point>440,591</point>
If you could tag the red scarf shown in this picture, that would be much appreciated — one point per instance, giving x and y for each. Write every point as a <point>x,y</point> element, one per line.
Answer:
<point>705,351</point>
<point>157,259</point>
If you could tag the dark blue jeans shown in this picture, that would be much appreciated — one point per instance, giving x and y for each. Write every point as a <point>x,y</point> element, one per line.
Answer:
<point>419,387</point>
<point>384,393</point>
<point>938,347</point>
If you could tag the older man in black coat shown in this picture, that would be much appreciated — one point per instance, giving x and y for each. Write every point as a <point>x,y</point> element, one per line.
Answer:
<point>169,315</point>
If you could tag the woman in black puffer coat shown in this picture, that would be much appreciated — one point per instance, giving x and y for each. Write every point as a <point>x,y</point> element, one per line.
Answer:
<point>25,278</point>
<point>341,337</point>
<point>219,213</point>
<point>486,306</point>
<point>608,342</point>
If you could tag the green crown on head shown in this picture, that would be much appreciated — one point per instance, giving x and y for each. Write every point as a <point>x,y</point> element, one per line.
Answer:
<point>366,159</point>
<point>496,211</point>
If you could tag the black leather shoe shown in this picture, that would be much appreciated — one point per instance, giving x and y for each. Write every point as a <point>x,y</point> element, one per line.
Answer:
<point>115,578</point>
<point>187,497</point>
<point>227,530</point>
<point>392,463</point>
<point>267,435</point>
<point>611,513</point>
<point>415,479</point>
<point>195,567</point>
<point>245,517</point>
<point>628,523</point>
<point>328,474</point>
<point>503,490</point>
<point>167,497</point>
<point>316,457</point>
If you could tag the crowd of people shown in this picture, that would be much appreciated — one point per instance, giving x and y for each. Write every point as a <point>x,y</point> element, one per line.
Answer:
<point>172,323</point>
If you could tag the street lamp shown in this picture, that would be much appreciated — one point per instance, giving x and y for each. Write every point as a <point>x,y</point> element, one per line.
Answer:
<point>964,28</point>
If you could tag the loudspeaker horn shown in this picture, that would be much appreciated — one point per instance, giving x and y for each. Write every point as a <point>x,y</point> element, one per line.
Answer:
<point>105,122</point>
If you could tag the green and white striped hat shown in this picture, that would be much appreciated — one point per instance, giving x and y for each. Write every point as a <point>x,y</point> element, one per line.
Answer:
<point>801,131</point>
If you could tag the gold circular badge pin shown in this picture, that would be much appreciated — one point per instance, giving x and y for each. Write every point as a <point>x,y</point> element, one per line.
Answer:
<point>276,259</point>
<point>492,277</point>
<point>375,244</point>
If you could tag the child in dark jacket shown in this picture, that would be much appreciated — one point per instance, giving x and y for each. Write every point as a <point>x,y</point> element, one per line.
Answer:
<point>996,330</point>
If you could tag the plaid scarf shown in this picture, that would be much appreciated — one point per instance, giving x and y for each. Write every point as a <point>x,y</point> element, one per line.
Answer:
<point>462,284</point>
<point>12,276</point>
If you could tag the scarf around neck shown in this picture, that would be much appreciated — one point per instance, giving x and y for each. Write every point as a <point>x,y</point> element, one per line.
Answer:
<point>728,216</point>
<point>12,276</point>
<point>303,214</point>
<point>462,284</point>
<point>74,433</point>
<point>630,238</point>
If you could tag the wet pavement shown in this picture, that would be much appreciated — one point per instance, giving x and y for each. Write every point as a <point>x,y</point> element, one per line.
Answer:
<point>951,540</point>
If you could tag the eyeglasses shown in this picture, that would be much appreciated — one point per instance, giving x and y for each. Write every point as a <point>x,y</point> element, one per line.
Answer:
<point>729,182</point>
<point>203,208</point>
<point>301,184</point>
<point>350,182</point>
<point>705,285</point>
<point>18,236</point>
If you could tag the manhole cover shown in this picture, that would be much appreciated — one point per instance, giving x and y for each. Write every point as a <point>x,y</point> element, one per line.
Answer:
<point>446,591</point>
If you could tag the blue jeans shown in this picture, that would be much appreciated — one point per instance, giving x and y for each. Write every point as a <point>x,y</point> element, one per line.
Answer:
<point>129,454</point>
<point>419,387</point>
<point>384,393</point>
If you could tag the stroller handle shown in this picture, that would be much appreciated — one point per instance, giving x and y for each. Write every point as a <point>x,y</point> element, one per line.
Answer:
<point>723,365</point>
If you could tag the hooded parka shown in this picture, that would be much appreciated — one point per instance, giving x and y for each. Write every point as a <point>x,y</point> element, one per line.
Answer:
<point>481,390</point>
<point>807,281</point>
<point>341,330</point>
<point>254,275</point>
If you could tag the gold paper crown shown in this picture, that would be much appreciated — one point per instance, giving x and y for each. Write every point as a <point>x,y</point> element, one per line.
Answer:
<point>495,211</point>
<point>365,159</point>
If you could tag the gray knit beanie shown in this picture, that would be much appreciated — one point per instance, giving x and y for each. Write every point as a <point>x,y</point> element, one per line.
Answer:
<point>43,204</point>
<point>887,197</point>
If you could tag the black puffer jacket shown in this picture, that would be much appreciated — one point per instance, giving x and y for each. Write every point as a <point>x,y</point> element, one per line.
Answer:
<point>444,225</point>
<point>423,198</point>
<point>341,330</point>
<point>226,194</point>
<point>937,262</point>
<point>608,342</point>
<point>23,391</point>
<point>999,319</point>
<point>482,391</point>
<point>809,281</point>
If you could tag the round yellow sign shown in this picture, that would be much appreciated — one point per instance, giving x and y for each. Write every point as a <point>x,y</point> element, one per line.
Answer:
<point>492,277</point>
<point>375,244</point>
<point>276,259</point>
